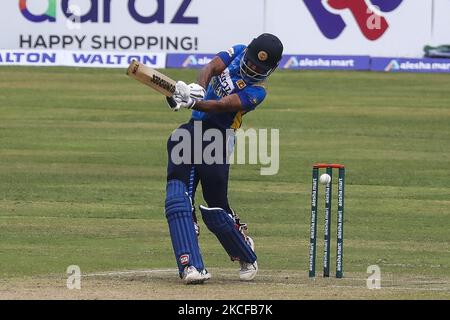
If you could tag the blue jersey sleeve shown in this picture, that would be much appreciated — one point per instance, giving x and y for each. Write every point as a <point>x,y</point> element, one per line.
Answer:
<point>231,54</point>
<point>251,97</point>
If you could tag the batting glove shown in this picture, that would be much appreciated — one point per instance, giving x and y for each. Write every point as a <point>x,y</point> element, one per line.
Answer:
<point>188,104</point>
<point>197,92</point>
<point>182,90</point>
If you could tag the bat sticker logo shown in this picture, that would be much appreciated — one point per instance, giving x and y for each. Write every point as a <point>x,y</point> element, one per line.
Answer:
<point>163,83</point>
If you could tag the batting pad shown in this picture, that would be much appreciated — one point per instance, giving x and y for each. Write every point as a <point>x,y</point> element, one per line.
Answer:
<point>223,226</point>
<point>181,226</point>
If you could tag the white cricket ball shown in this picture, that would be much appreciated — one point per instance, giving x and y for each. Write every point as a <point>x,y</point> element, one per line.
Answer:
<point>325,178</point>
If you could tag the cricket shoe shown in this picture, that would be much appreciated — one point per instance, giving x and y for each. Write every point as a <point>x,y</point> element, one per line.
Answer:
<point>192,276</point>
<point>248,270</point>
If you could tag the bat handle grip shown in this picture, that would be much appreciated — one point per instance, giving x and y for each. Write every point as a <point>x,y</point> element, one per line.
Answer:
<point>171,101</point>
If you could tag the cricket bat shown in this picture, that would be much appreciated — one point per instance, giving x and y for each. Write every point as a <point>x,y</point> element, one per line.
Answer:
<point>154,79</point>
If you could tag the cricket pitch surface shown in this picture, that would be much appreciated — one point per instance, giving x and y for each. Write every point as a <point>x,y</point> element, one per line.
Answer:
<point>164,284</point>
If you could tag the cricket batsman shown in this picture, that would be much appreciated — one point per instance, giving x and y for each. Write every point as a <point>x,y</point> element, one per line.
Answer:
<point>227,88</point>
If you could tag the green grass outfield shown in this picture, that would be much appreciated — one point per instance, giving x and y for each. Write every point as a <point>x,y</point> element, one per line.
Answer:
<point>83,162</point>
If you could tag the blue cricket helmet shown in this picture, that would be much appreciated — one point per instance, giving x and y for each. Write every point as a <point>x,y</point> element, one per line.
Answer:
<point>261,57</point>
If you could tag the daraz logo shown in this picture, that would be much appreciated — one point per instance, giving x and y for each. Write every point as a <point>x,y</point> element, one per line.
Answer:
<point>49,15</point>
<point>372,25</point>
<point>94,15</point>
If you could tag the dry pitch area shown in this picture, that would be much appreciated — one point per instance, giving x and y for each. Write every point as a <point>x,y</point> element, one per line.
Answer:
<point>282,285</point>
